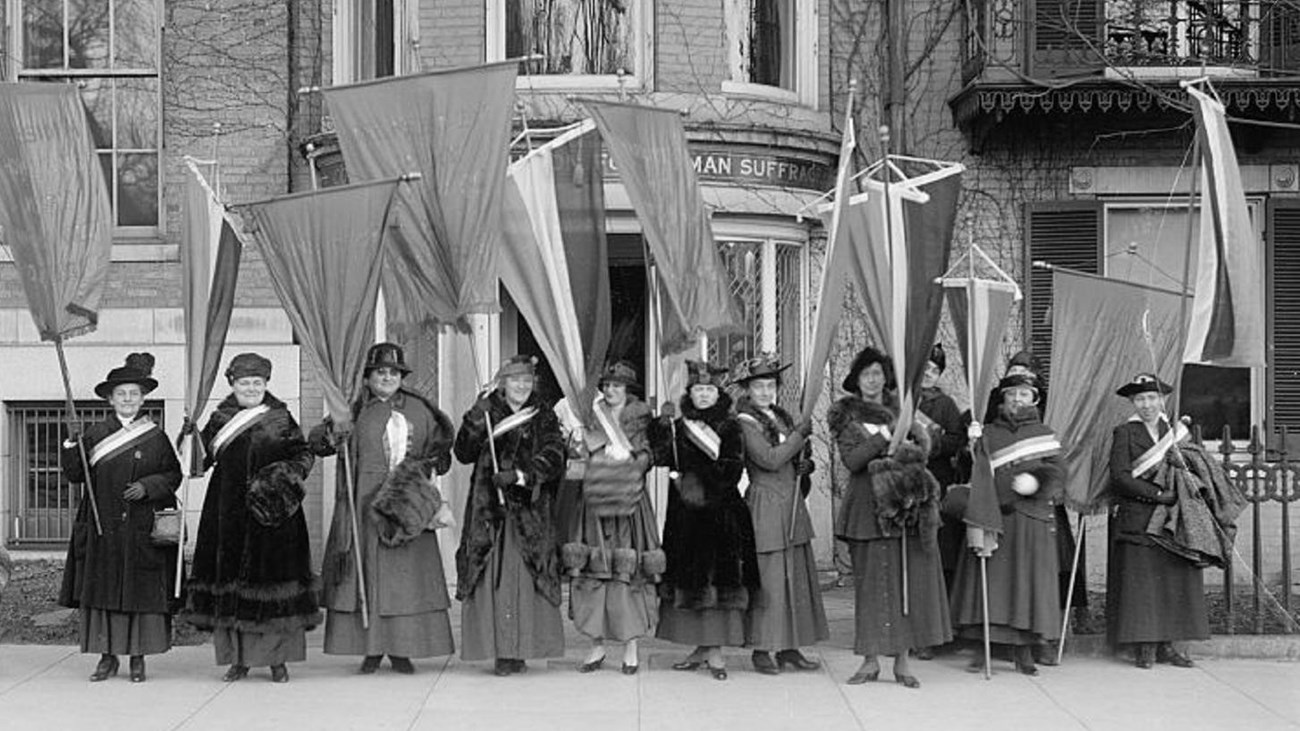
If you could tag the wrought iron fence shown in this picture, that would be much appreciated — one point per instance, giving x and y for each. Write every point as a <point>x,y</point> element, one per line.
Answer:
<point>1265,474</point>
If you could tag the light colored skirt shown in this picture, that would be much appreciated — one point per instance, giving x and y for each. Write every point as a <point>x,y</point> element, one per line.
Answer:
<point>427,634</point>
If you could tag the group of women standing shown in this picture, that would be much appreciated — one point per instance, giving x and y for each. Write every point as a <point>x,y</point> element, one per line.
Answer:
<point>734,568</point>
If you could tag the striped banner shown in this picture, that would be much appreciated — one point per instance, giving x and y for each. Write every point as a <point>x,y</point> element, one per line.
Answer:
<point>1227,318</point>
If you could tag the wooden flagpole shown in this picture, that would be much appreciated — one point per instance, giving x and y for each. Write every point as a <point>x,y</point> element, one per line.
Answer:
<point>1069,592</point>
<point>87,486</point>
<point>356,534</point>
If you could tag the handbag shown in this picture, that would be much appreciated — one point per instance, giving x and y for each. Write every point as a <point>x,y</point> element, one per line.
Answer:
<point>167,525</point>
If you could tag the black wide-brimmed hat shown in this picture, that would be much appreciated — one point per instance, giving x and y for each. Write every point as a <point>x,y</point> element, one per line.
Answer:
<point>864,359</point>
<point>138,370</point>
<point>385,355</point>
<point>1144,383</point>
<point>620,371</point>
<point>763,365</point>
<point>1018,380</point>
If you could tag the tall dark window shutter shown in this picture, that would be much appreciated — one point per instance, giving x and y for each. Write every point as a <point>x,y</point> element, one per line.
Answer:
<point>1063,36</point>
<point>1283,283</point>
<point>1066,234</point>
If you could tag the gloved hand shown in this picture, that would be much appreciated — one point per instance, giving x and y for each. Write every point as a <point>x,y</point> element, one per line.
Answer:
<point>974,431</point>
<point>505,478</point>
<point>804,427</point>
<point>669,409</point>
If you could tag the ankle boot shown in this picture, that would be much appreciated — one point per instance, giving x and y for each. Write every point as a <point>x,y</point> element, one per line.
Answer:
<point>762,660</point>
<point>106,668</point>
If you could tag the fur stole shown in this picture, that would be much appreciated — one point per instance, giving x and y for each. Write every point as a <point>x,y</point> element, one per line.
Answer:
<point>854,410</point>
<point>405,505</point>
<point>275,494</point>
<point>713,416</point>
<point>771,428</point>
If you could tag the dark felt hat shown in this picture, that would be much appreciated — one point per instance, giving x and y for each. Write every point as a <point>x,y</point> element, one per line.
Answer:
<point>763,365</point>
<point>1017,380</point>
<point>699,373</point>
<point>245,365</point>
<point>1144,383</point>
<point>138,370</point>
<point>385,355</point>
<point>865,358</point>
<point>517,365</point>
<point>620,371</point>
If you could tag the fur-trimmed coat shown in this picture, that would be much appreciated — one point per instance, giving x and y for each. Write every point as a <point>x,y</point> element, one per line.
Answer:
<point>773,450</point>
<point>883,492</point>
<point>708,532</point>
<point>537,449</point>
<point>246,575</point>
<point>395,508</point>
<point>122,570</point>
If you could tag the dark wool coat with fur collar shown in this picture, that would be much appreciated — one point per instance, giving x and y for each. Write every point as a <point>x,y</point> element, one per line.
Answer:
<point>247,575</point>
<point>537,450</point>
<point>708,532</point>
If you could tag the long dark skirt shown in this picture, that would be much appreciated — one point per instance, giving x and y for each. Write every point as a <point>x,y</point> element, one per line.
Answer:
<point>787,612</point>
<point>125,633</point>
<point>880,626</point>
<point>1153,596</point>
<point>1024,586</point>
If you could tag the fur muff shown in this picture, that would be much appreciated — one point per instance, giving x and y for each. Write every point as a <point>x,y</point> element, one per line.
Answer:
<point>903,489</point>
<point>275,494</point>
<point>654,563</point>
<point>624,563</point>
<point>405,505</point>
<point>574,555</point>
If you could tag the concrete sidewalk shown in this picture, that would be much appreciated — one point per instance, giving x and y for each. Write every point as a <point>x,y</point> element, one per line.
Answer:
<point>45,687</point>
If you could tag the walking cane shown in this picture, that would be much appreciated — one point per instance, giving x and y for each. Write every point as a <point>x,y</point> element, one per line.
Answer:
<point>356,536</point>
<point>1069,592</point>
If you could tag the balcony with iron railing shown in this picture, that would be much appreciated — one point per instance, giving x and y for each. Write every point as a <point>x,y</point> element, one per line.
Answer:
<point>1112,56</point>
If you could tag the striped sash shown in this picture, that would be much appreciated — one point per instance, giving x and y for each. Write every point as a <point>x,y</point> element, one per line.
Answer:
<point>704,437</point>
<point>122,440</point>
<point>1151,458</point>
<point>612,430</point>
<point>1043,445</point>
<point>514,421</point>
<point>238,424</point>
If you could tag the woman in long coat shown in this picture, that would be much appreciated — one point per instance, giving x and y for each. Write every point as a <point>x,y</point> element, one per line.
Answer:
<point>508,560</point>
<point>1154,597</point>
<point>398,441</point>
<point>613,554</point>
<point>787,613</point>
<point>888,542</point>
<point>252,583</point>
<point>712,572</point>
<point>121,581</point>
<point>1023,598</point>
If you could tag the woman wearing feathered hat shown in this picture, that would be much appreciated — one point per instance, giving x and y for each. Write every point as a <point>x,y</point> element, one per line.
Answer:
<point>1154,597</point>
<point>890,519</point>
<point>712,573</point>
<point>508,560</point>
<point>1024,610</point>
<point>787,613</point>
<point>397,442</point>
<point>614,556</point>
<point>252,582</point>
<point>119,579</point>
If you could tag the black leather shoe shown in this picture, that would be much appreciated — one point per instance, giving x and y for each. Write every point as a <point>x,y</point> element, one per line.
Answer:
<point>1045,654</point>
<point>630,669</point>
<point>1144,655</point>
<point>401,665</point>
<point>1024,658</point>
<point>1166,653</point>
<point>518,666</point>
<point>718,673</point>
<point>279,674</point>
<point>907,681</point>
<point>593,666</point>
<point>763,663</point>
<point>503,667</point>
<point>106,668</point>
<point>137,668</point>
<point>235,673</point>
<point>370,664</point>
<point>687,665</point>
<point>796,660</point>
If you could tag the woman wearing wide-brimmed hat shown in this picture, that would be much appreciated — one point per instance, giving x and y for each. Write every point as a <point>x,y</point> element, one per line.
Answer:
<point>121,580</point>
<point>890,520</point>
<point>252,582</point>
<point>787,613</point>
<point>712,571</point>
<point>613,554</point>
<point>508,560</point>
<point>1154,597</point>
<point>398,441</point>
